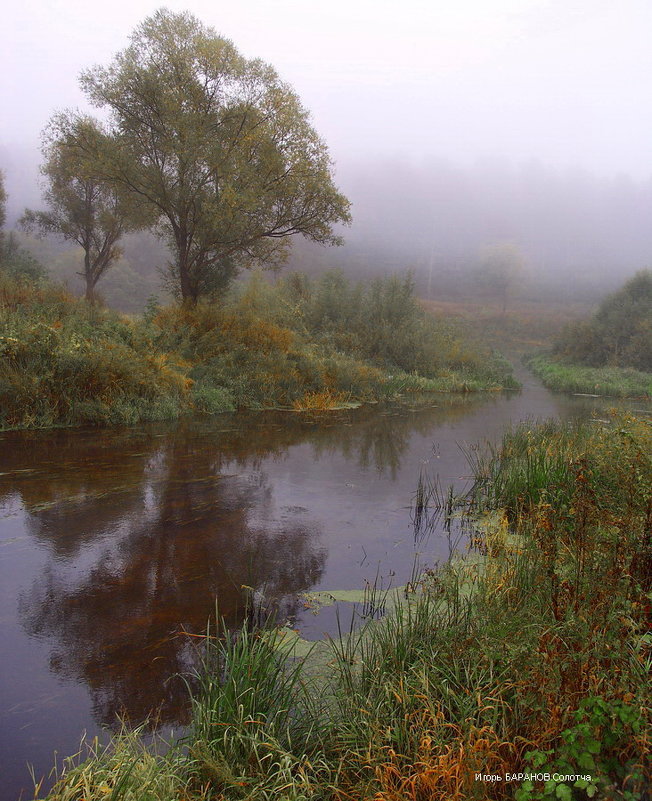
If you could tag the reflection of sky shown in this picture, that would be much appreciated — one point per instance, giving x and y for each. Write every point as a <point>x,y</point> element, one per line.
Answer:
<point>343,487</point>
<point>34,702</point>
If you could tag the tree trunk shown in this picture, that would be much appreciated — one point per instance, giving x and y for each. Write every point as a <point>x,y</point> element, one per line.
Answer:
<point>90,291</point>
<point>89,278</point>
<point>188,291</point>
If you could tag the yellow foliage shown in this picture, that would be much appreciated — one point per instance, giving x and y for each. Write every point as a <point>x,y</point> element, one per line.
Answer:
<point>256,333</point>
<point>320,401</point>
<point>444,772</point>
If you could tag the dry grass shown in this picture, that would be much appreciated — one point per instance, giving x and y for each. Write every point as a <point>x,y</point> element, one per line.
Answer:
<point>525,326</point>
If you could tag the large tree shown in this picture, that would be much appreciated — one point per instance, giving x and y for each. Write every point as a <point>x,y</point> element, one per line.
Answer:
<point>218,146</point>
<point>82,206</point>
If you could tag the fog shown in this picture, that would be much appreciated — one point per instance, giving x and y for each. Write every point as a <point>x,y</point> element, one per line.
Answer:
<point>451,125</point>
<point>574,228</point>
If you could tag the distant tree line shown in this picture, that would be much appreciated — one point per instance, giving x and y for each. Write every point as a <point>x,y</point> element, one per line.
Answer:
<point>211,151</point>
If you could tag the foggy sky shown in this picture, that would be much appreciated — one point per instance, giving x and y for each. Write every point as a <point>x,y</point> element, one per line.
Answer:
<point>564,83</point>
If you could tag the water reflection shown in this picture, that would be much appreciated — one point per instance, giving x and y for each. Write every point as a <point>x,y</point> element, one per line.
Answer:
<point>380,440</point>
<point>146,530</point>
<point>134,562</point>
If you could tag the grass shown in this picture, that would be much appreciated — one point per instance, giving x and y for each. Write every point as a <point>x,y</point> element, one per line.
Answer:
<point>615,382</point>
<point>610,353</point>
<point>532,656</point>
<point>125,770</point>
<point>62,363</point>
<point>299,345</point>
<point>255,723</point>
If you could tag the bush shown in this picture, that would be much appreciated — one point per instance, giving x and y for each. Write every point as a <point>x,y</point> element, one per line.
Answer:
<point>62,363</point>
<point>619,333</point>
<point>18,263</point>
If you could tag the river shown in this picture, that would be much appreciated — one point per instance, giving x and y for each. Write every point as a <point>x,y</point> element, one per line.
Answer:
<point>115,544</point>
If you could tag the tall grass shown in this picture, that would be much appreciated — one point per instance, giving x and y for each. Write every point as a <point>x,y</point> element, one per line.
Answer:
<point>615,382</point>
<point>125,770</point>
<point>62,363</point>
<point>254,721</point>
<point>532,465</point>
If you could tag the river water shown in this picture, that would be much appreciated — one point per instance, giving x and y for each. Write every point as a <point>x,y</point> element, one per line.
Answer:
<point>115,544</point>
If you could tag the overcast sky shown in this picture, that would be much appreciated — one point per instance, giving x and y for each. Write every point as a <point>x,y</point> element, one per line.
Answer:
<point>567,82</point>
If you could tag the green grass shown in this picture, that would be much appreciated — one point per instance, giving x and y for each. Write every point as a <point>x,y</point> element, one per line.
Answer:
<point>125,770</point>
<point>63,363</point>
<point>532,655</point>
<point>615,382</point>
<point>255,721</point>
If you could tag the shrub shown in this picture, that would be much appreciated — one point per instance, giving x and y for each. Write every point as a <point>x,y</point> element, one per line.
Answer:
<point>297,344</point>
<point>62,363</point>
<point>618,334</point>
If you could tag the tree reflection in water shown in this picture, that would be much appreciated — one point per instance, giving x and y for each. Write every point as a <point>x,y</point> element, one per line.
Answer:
<point>147,529</point>
<point>158,555</point>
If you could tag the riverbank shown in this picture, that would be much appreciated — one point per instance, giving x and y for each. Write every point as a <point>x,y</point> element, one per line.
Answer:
<point>529,656</point>
<point>298,344</point>
<point>615,382</point>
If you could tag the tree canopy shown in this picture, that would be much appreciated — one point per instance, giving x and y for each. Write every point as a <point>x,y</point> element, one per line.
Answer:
<point>217,145</point>
<point>3,209</point>
<point>82,207</point>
